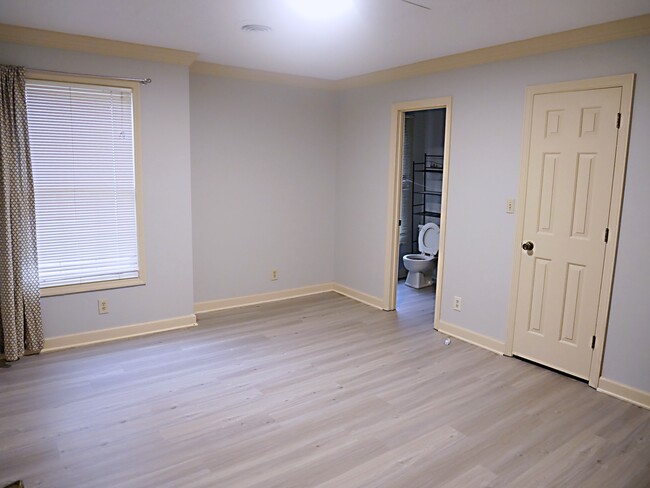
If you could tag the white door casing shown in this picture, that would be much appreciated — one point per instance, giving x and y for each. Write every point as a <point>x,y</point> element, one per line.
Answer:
<point>398,111</point>
<point>573,166</point>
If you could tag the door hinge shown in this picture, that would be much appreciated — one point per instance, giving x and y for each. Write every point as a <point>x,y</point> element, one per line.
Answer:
<point>399,223</point>
<point>606,235</point>
<point>618,120</point>
<point>593,342</point>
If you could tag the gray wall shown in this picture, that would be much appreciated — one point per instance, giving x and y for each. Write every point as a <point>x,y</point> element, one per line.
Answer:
<point>486,135</point>
<point>296,179</point>
<point>263,179</point>
<point>165,146</point>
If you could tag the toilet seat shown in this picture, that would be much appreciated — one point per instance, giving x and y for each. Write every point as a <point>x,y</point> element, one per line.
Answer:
<point>421,266</point>
<point>429,239</point>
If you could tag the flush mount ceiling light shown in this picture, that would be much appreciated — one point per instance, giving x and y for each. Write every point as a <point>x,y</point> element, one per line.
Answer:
<point>320,9</point>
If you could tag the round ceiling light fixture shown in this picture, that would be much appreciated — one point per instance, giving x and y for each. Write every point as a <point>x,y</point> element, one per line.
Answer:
<point>321,9</point>
<point>256,28</point>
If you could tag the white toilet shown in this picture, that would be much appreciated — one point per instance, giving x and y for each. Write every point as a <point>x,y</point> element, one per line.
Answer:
<point>420,266</point>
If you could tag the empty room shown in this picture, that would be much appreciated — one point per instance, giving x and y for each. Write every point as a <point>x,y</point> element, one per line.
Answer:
<point>324,243</point>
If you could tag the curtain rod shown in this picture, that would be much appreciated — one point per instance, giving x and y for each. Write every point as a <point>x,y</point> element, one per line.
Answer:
<point>142,81</point>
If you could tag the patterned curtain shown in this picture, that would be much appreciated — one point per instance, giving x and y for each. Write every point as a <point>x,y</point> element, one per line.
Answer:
<point>20,308</point>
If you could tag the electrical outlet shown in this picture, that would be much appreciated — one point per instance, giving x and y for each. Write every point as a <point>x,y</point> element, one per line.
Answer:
<point>274,275</point>
<point>510,205</point>
<point>102,306</point>
<point>458,303</point>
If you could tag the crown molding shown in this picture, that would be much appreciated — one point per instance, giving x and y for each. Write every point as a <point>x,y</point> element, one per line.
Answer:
<point>224,71</point>
<point>72,42</point>
<point>584,36</point>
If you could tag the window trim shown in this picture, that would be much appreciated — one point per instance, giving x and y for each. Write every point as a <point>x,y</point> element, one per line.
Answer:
<point>135,89</point>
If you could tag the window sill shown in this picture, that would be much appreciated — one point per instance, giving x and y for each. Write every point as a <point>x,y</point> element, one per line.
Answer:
<point>86,287</point>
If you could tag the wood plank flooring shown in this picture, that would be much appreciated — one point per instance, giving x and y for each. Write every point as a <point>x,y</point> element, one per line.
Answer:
<point>319,391</point>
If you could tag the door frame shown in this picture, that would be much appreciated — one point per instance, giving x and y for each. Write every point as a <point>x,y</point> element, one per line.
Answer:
<point>626,83</point>
<point>398,110</point>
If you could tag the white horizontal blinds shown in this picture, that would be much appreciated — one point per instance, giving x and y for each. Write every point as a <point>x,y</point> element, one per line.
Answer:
<point>82,149</point>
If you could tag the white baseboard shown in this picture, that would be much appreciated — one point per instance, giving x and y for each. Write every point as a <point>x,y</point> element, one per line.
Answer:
<point>358,296</point>
<point>472,337</point>
<point>225,303</point>
<point>624,392</point>
<point>112,334</point>
<point>245,301</point>
<point>115,333</point>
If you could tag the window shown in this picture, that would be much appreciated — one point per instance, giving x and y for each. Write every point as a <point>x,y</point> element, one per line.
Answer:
<point>83,150</point>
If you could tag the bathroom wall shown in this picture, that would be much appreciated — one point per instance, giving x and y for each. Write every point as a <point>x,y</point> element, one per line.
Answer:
<point>486,135</point>
<point>263,182</point>
<point>165,150</point>
<point>432,130</point>
<point>432,123</point>
<point>427,132</point>
<point>406,227</point>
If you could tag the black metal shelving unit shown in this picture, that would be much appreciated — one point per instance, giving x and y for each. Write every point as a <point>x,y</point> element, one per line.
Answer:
<point>432,164</point>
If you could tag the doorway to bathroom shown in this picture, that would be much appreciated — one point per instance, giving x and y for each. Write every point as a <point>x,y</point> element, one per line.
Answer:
<point>419,175</point>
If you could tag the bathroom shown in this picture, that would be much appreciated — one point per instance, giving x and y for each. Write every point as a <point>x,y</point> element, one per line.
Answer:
<point>422,187</point>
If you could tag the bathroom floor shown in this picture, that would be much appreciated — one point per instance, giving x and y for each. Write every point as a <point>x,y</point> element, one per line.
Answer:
<point>410,299</point>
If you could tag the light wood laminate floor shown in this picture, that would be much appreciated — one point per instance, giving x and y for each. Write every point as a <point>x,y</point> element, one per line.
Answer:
<point>411,300</point>
<point>319,391</point>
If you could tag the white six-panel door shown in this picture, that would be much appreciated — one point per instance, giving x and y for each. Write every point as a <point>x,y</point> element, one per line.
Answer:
<point>573,145</point>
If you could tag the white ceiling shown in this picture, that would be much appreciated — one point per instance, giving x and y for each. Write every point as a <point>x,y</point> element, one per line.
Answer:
<point>376,35</point>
